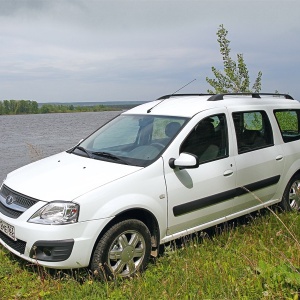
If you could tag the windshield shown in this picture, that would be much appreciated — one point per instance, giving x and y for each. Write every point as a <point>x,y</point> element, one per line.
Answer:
<point>131,139</point>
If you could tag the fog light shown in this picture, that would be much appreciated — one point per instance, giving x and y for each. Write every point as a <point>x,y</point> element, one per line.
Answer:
<point>52,250</point>
<point>47,251</point>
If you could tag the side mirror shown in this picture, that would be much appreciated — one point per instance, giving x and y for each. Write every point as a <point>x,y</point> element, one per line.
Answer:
<point>184,161</point>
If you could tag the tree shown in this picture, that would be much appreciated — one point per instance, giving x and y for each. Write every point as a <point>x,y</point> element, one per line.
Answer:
<point>6,107</point>
<point>45,109</point>
<point>235,78</point>
<point>34,107</point>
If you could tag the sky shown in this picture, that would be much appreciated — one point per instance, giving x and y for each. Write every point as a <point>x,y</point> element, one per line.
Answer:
<point>95,51</point>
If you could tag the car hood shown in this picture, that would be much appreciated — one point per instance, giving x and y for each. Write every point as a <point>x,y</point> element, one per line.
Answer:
<point>65,176</point>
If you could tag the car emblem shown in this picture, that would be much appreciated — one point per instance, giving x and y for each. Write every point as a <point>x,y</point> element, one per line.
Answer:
<point>10,199</point>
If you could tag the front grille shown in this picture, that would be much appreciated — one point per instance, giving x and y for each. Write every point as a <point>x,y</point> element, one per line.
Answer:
<point>17,245</point>
<point>20,201</point>
<point>9,212</point>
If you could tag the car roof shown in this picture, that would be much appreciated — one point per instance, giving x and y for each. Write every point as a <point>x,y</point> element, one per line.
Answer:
<point>187,105</point>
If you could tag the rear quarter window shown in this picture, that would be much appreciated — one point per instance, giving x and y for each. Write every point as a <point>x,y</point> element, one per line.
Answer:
<point>253,130</point>
<point>288,122</point>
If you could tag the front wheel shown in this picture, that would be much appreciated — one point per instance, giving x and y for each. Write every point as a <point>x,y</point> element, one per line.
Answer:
<point>291,196</point>
<point>123,250</point>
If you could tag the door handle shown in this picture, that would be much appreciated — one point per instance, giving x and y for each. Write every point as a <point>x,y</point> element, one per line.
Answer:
<point>279,157</point>
<point>228,173</point>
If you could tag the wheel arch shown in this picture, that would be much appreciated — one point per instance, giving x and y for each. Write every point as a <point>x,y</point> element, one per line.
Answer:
<point>290,172</point>
<point>140,214</point>
<point>296,173</point>
<point>290,177</point>
<point>290,199</point>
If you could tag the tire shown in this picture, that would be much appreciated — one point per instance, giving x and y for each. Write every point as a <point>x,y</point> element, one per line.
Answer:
<point>122,251</point>
<point>291,197</point>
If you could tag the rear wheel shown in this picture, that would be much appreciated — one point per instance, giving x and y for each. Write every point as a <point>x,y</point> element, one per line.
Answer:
<point>123,250</point>
<point>291,196</point>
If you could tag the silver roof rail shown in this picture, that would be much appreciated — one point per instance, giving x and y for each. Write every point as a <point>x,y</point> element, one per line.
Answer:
<point>218,97</point>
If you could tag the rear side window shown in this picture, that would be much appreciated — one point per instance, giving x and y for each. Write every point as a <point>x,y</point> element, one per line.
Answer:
<point>288,122</point>
<point>253,130</point>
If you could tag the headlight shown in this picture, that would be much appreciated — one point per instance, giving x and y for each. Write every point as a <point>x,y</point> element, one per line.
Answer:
<point>56,213</point>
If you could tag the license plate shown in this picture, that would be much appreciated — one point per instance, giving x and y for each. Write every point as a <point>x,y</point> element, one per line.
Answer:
<point>9,230</point>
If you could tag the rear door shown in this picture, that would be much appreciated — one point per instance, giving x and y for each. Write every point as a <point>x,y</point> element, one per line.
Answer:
<point>258,161</point>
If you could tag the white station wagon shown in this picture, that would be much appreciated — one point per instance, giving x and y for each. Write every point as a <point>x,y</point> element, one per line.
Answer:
<point>157,172</point>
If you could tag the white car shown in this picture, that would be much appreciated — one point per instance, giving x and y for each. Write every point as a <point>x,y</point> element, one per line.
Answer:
<point>157,172</point>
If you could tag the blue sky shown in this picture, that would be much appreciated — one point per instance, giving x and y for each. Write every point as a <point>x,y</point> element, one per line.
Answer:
<point>88,50</point>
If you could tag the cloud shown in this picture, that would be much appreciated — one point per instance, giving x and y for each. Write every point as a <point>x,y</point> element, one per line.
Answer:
<point>65,50</point>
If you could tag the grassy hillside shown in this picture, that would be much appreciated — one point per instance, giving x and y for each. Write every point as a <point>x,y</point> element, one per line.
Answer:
<point>257,257</point>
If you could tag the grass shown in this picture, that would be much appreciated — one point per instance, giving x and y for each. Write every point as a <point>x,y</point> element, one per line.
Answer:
<point>256,257</point>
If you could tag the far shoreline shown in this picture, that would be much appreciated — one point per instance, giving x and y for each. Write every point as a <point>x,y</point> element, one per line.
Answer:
<point>24,107</point>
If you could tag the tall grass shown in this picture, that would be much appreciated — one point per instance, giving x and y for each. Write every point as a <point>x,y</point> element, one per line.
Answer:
<point>255,257</point>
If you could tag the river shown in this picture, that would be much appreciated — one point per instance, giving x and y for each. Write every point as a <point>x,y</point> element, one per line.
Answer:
<point>27,138</point>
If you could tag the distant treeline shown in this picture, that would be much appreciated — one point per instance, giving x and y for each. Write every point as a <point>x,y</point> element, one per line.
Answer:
<point>19,107</point>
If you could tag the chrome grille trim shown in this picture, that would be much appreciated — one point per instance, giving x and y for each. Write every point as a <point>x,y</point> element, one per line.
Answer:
<point>21,202</point>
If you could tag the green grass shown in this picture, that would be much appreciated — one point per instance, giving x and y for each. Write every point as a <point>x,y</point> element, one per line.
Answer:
<point>256,259</point>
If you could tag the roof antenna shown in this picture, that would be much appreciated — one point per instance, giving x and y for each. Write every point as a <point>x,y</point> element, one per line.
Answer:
<point>183,87</point>
<point>149,110</point>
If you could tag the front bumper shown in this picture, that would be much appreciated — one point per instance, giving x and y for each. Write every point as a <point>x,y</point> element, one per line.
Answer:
<point>54,246</point>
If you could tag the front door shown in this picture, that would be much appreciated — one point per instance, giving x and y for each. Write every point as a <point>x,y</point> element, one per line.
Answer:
<point>203,194</point>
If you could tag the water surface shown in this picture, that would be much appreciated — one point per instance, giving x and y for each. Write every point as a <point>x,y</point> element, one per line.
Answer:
<point>27,138</point>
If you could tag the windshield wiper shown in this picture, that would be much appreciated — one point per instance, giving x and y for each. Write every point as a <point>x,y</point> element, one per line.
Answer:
<point>110,156</point>
<point>83,150</point>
